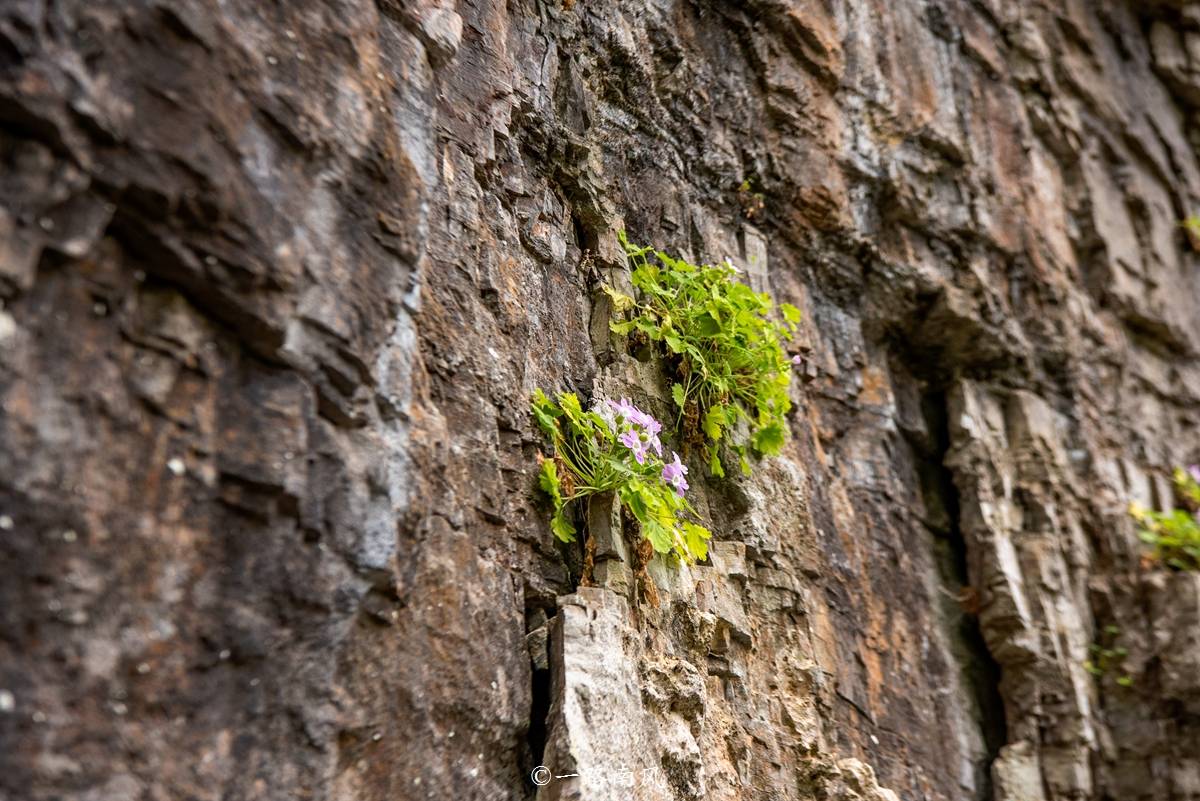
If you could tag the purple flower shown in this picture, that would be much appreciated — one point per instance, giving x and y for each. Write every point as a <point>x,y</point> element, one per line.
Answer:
<point>646,437</point>
<point>624,408</point>
<point>1194,472</point>
<point>673,473</point>
<point>640,418</point>
<point>797,360</point>
<point>650,436</point>
<point>632,440</point>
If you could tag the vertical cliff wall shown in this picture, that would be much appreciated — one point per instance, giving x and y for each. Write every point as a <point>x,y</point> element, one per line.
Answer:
<point>277,280</point>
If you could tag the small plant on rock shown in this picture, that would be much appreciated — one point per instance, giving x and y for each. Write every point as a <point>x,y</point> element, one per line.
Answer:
<point>1174,535</point>
<point>614,447</point>
<point>723,345</point>
<point>1191,227</point>
<point>752,202</point>
<point>1107,659</point>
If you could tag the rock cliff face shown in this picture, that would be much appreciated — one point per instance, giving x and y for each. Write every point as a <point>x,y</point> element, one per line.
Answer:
<point>277,280</point>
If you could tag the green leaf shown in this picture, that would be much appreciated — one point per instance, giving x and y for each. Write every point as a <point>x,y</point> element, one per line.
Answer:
<point>562,527</point>
<point>569,403</point>
<point>645,278</point>
<point>621,301</point>
<point>632,497</point>
<point>660,537</point>
<point>621,328</point>
<point>648,327</point>
<point>677,394</point>
<point>545,412</point>
<point>714,463</point>
<point>550,483</point>
<point>707,326</point>
<point>790,313</point>
<point>714,421</point>
<point>769,439</point>
<point>696,538</point>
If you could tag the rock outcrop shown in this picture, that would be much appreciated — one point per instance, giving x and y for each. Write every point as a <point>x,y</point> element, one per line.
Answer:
<point>277,281</point>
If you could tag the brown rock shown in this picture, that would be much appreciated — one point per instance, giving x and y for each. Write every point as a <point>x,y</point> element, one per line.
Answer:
<point>277,280</point>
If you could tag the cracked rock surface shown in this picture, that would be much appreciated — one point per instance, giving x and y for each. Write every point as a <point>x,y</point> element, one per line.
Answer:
<point>276,283</point>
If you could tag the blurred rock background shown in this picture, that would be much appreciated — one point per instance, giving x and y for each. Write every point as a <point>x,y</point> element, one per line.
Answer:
<point>277,279</point>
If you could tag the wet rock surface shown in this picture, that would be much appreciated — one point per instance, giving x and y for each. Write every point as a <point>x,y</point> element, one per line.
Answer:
<point>276,281</point>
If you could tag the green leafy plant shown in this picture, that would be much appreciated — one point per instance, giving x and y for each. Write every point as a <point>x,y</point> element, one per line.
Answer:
<point>1174,535</point>
<point>614,447</point>
<point>752,202</point>
<point>1191,227</point>
<point>1106,658</point>
<point>724,347</point>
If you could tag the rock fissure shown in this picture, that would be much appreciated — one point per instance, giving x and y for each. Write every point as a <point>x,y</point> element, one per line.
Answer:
<point>980,670</point>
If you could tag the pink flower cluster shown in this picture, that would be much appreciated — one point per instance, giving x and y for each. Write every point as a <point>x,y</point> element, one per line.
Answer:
<point>642,432</point>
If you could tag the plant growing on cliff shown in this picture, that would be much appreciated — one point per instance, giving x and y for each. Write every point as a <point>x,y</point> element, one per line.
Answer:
<point>752,202</point>
<point>1191,227</point>
<point>723,344</point>
<point>1174,535</point>
<point>614,447</point>
<point>1108,657</point>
